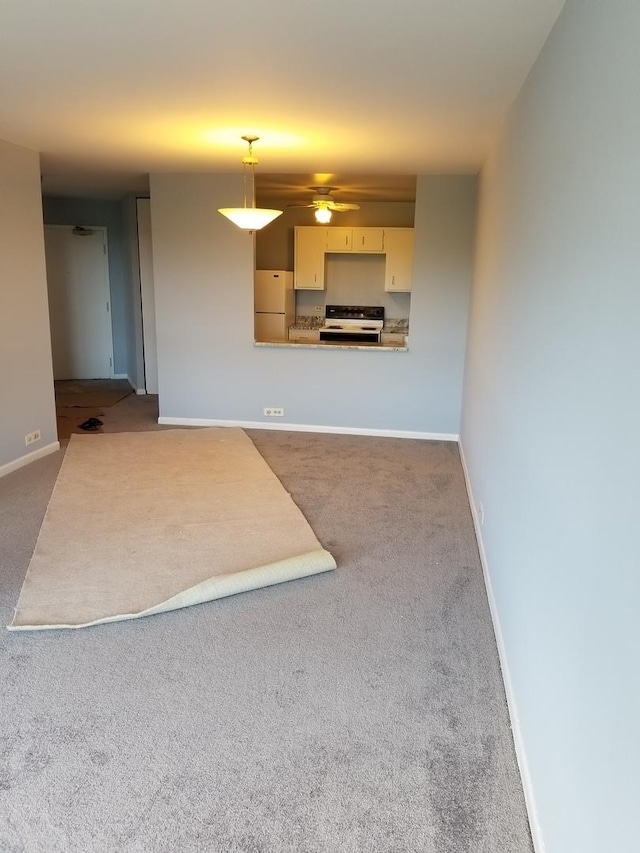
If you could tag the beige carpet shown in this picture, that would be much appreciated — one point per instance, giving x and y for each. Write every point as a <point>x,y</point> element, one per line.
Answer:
<point>142,523</point>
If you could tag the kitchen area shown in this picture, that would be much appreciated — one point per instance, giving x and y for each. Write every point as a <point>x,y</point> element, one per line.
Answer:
<point>349,287</point>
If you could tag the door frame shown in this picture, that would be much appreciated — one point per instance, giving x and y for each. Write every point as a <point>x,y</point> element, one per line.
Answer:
<point>147,294</point>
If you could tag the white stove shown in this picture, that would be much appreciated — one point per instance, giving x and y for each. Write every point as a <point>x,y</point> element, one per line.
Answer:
<point>353,323</point>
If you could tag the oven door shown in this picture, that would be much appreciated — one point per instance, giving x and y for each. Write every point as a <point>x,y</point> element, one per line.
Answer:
<point>354,337</point>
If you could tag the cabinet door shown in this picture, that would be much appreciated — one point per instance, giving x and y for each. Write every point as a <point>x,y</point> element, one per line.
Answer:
<point>393,339</point>
<point>309,247</point>
<point>308,336</point>
<point>398,245</point>
<point>339,239</point>
<point>368,240</point>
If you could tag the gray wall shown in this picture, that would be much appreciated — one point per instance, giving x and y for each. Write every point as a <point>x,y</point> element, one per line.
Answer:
<point>26,379</point>
<point>552,419</point>
<point>209,367</point>
<point>80,211</point>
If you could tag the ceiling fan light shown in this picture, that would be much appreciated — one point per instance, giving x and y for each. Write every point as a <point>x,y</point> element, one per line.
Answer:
<point>323,215</point>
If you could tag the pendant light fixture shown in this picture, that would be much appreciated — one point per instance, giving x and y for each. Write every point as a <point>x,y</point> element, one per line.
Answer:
<point>249,218</point>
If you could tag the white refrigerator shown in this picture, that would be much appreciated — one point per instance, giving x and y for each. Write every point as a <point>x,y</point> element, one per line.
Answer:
<point>274,304</point>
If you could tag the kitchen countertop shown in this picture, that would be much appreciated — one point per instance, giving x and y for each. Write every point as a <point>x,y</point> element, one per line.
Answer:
<point>331,345</point>
<point>393,328</point>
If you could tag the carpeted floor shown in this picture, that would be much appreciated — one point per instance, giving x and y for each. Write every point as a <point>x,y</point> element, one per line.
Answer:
<point>360,710</point>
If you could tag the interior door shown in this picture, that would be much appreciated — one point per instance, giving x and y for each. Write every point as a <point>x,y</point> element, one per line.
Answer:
<point>79,302</point>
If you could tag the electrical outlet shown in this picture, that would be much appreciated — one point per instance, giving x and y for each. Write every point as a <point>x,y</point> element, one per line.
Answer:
<point>33,436</point>
<point>273,412</point>
<point>318,308</point>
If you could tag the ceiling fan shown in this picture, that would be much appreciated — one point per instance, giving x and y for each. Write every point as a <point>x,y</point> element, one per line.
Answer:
<point>324,204</point>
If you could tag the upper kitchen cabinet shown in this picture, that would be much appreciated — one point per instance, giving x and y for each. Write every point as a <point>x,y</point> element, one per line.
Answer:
<point>339,240</point>
<point>398,247</point>
<point>355,240</point>
<point>368,240</point>
<point>310,244</point>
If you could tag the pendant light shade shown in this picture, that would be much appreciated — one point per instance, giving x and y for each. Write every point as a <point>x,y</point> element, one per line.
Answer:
<point>250,218</point>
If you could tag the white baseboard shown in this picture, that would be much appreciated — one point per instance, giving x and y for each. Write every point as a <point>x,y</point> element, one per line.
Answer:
<point>521,753</point>
<point>384,433</point>
<point>130,381</point>
<point>29,458</point>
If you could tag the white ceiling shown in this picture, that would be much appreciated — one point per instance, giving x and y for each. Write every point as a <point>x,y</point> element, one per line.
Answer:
<point>344,90</point>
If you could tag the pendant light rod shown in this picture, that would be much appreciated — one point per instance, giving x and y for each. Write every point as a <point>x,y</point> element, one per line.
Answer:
<point>250,161</point>
<point>249,218</point>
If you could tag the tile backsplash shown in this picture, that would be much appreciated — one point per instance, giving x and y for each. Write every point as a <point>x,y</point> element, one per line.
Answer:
<point>314,321</point>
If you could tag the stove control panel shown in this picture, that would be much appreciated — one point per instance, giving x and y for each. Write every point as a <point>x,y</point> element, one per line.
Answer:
<point>335,313</point>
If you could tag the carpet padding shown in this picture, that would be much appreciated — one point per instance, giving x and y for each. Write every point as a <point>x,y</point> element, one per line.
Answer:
<point>90,393</point>
<point>142,523</point>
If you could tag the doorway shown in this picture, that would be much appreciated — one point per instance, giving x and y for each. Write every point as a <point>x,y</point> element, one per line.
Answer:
<point>79,301</point>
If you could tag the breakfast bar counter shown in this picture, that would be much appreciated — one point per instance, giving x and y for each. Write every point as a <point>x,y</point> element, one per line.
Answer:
<point>333,345</point>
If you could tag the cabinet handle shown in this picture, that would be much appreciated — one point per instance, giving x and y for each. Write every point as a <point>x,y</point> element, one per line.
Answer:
<point>346,240</point>
<point>362,240</point>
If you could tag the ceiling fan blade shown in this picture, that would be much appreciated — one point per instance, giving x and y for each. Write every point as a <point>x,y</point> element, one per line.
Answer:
<point>300,205</point>
<point>341,206</point>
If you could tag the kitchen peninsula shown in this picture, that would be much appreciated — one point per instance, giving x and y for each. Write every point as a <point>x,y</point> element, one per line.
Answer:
<point>342,345</point>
